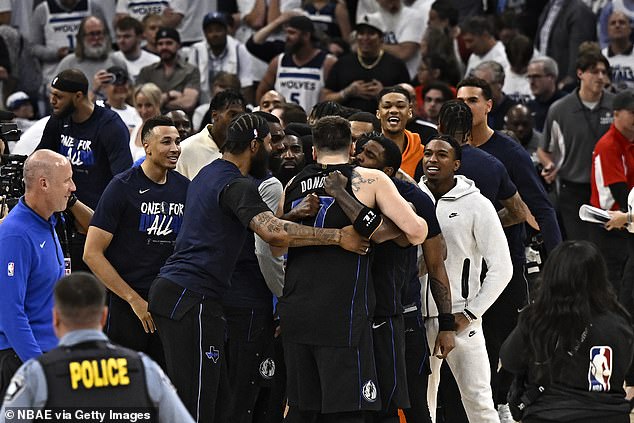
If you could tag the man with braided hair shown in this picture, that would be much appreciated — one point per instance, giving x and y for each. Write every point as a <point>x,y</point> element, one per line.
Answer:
<point>185,298</point>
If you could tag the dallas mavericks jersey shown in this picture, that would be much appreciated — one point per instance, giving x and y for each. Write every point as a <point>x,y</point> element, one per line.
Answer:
<point>301,85</point>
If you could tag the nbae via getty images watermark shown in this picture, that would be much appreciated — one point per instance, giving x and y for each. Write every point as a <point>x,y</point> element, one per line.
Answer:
<point>84,415</point>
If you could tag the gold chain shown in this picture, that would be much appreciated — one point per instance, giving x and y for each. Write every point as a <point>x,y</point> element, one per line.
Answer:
<point>373,64</point>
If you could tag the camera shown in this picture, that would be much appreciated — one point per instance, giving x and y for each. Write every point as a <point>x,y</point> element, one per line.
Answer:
<point>11,178</point>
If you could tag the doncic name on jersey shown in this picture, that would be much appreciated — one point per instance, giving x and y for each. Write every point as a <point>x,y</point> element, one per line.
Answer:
<point>161,218</point>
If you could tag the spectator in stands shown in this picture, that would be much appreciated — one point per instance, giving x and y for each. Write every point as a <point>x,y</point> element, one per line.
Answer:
<point>573,126</point>
<point>93,53</point>
<point>479,37</point>
<point>362,123</point>
<point>610,7</point>
<point>204,147</point>
<point>563,25</point>
<point>117,92</point>
<point>270,100</point>
<point>620,51</point>
<point>404,29</point>
<point>433,67</point>
<point>151,24</point>
<point>299,73</point>
<point>53,29</point>
<point>179,81</point>
<point>147,102</point>
<point>129,34</point>
<point>221,52</point>
<point>247,17</point>
<point>329,16</point>
<point>182,123</point>
<point>223,81</point>
<point>519,51</point>
<point>437,43</point>
<point>519,120</point>
<point>542,73</point>
<point>289,113</point>
<point>358,77</point>
<point>493,73</point>
<point>170,11</point>
<point>435,95</point>
<point>417,123</point>
<point>20,105</point>
<point>444,16</point>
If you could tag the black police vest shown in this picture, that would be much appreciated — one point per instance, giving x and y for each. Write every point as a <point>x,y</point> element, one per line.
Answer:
<point>95,374</point>
<point>328,295</point>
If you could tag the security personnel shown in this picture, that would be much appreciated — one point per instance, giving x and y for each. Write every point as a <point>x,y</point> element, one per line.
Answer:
<point>86,371</point>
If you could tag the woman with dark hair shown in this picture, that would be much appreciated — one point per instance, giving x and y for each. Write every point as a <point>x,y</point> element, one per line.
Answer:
<point>574,343</point>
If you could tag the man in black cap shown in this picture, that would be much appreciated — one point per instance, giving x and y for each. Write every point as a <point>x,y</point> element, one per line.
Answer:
<point>221,52</point>
<point>358,77</point>
<point>300,72</point>
<point>185,298</point>
<point>179,81</point>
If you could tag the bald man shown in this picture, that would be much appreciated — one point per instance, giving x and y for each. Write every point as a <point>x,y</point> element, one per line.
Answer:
<point>31,261</point>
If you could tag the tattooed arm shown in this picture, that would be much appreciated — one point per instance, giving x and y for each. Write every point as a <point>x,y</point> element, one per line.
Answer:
<point>440,290</point>
<point>284,234</point>
<point>373,187</point>
<point>335,185</point>
<point>514,211</point>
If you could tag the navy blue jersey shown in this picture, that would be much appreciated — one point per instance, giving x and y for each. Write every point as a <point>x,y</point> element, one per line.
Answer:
<point>144,218</point>
<point>488,173</point>
<point>328,297</point>
<point>97,149</point>
<point>426,209</point>
<point>523,174</point>
<point>248,286</point>
<point>222,204</point>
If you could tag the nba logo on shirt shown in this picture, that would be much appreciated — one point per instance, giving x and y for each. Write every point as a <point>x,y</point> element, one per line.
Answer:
<point>600,368</point>
<point>10,268</point>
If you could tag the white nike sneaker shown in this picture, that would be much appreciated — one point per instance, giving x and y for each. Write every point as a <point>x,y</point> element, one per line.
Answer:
<point>505,414</point>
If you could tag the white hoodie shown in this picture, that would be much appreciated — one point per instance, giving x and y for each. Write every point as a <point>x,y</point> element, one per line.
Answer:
<point>472,229</point>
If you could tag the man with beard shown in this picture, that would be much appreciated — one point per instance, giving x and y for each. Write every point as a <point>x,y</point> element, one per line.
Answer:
<point>185,299</point>
<point>128,223</point>
<point>129,34</point>
<point>221,52</point>
<point>358,77</point>
<point>94,139</point>
<point>93,54</point>
<point>328,300</point>
<point>289,160</point>
<point>179,81</point>
<point>300,72</point>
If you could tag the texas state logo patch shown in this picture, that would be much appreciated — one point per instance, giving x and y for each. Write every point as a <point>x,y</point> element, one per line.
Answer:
<point>600,369</point>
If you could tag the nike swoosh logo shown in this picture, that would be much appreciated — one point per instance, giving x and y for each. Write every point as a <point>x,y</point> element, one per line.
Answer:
<point>143,191</point>
<point>42,244</point>
<point>374,326</point>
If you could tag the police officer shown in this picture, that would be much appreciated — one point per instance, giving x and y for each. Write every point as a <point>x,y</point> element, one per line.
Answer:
<point>86,371</point>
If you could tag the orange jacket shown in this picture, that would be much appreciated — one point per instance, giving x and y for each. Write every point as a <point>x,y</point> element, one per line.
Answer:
<point>413,153</point>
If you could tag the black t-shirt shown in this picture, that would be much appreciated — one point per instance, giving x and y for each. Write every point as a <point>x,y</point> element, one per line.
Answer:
<point>328,296</point>
<point>97,149</point>
<point>389,71</point>
<point>144,218</point>
<point>222,204</point>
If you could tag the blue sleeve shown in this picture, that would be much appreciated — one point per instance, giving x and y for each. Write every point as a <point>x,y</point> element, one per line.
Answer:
<point>116,141</point>
<point>507,187</point>
<point>110,208</point>
<point>532,192</point>
<point>425,207</point>
<point>15,268</point>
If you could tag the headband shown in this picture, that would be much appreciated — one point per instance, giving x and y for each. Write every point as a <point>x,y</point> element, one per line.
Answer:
<point>69,86</point>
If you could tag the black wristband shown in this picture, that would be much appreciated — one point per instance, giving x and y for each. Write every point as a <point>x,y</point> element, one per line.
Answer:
<point>446,321</point>
<point>367,222</point>
<point>71,201</point>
